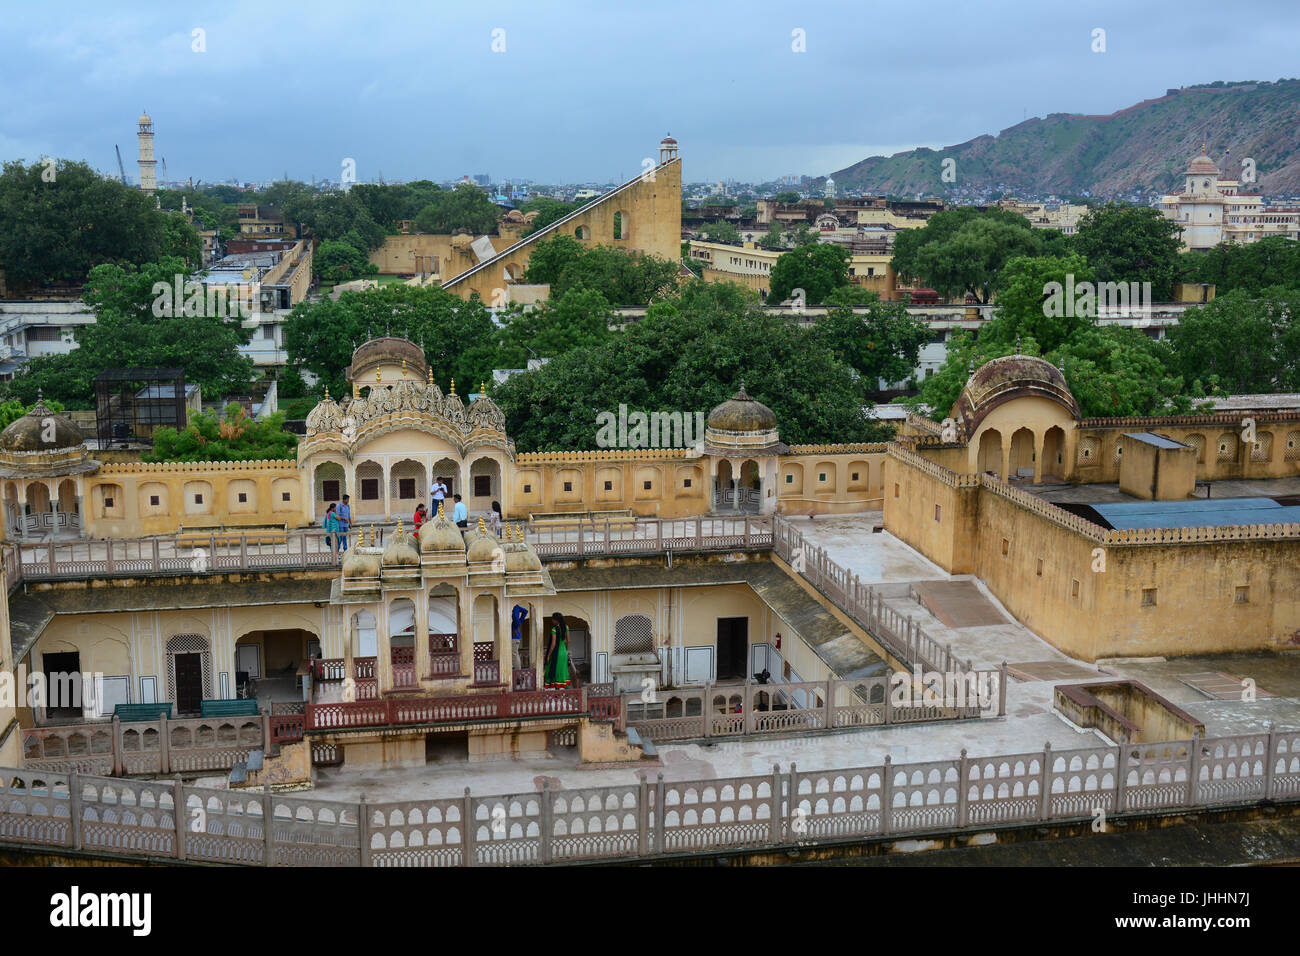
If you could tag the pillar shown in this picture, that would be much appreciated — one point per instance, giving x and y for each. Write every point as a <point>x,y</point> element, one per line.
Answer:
<point>1039,440</point>
<point>502,640</point>
<point>465,629</point>
<point>422,665</point>
<point>388,505</point>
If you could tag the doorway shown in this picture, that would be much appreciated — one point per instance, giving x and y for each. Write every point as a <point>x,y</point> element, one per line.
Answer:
<point>59,669</point>
<point>189,683</point>
<point>733,648</point>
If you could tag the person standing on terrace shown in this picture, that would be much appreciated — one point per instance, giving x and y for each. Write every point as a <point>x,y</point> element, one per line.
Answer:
<point>557,654</point>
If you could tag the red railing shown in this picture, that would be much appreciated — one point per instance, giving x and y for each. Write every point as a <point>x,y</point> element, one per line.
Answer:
<point>365,668</point>
<point>442,644</point>
<point>444,665</point>
<point>435,710</point>
<point>335,668</point>
<point>524,679</point>
<point>287,728</point>
<point>404,667</point>
<point>487,672</point>
<point>604,708</point>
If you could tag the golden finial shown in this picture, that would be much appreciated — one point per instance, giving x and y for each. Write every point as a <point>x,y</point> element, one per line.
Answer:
<point>453,386</point>
<point>482,388</point>
<point>379,375</point>
<point>519,532</point>
<point>372,536</point>
<point>403,368</point>
<point>356,389</point>
<point>327,393</point>
<point>441,513</point>
<point>481,528</point>
<point>430,374</point>
<point>399,527</point>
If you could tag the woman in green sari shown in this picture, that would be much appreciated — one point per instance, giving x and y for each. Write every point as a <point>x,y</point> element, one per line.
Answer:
<point>557,654</point>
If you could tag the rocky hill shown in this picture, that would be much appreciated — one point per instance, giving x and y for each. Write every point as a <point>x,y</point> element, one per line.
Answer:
<point>1141,149</point>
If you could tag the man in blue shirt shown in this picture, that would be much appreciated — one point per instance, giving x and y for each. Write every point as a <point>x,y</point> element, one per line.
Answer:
<point>461,513</point>
<point>345,523</point>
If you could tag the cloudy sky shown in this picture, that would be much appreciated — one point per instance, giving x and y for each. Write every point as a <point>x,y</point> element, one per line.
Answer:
<point>578,91</point>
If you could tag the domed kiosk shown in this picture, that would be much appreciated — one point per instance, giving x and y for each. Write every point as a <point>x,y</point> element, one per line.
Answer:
<point>1018,414</point>
<point>742,443</point>
<point>42,456</point>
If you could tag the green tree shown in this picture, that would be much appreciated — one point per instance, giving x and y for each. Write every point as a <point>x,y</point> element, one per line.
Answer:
<point>11,410</point>
<point>1240,343</point>
<point>232,437</point>
<point>1131,244</point>
<point>58,222</point>
<point>548,211</point>
<point>819,269</point>
<point>880,344</point>
<point>580,319</point>
<point>1027,306</point>
<point>338,261</point>
<point>465,208</point>
<point>128,334</point>
<point>721,231</point>
<point>1252,266</point>
<point>962,251</point>
<point>459,338</point>
<point>786,196</point>
<point>549,258</point>
<point>774,238</point>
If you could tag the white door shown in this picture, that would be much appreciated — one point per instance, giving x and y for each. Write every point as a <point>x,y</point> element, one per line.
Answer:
<point>247,659</point>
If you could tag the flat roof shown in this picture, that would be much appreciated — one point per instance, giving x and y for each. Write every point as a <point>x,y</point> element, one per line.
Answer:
<point>1197,513</point>
<point>1159,441</point>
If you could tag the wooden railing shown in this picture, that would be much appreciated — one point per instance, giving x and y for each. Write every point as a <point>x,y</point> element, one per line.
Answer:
<point>396,712</point>
<point>403,662</point>
<point>778,809</point>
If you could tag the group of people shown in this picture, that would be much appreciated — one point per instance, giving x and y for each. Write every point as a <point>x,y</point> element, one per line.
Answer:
<point>459,515</point>
<point>338,517</point>
<point>338,522</point>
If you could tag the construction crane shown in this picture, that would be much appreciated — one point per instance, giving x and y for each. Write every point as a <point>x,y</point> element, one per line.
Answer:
<point>163,181</point>
<point>120,168</point>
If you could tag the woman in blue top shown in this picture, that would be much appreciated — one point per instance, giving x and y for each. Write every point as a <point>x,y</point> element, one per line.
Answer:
<point>331,524</point>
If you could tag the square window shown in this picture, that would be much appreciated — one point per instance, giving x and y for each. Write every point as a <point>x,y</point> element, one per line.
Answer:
<point>855,476</point>
<point>789,479</point>
<point>1039,570</point>
<point>406,487</point>
<point>1074,587</point>
<point>686,482</point>
<point>568,486</point>
<point>369,489</point>
<point>1006,545</point>
<point>198,499</point>
<point>895,489</point>
<point>483,486</point>
<point>153,501</point>
<point>243,497</point>
<point>1148,597</point>
<point>329,490</point>
<point>1243,596</point>
<point>609,486</point>
<point>645,486</point>
<point>108,502</point>
<point>821,476</point>
<point>286,496</point>
<point>528,489</point>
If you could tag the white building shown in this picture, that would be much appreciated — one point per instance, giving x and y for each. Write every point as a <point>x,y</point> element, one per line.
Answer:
<point>1212,210</point>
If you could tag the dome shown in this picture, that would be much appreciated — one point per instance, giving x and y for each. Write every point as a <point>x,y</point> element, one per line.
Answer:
<point>41,430</point>
<point>1012,376</point>
<point>440,534</point>
<point>145,120</point>
<point>1203,166</point>
<point>741,413</point>
<point>483,547</point>
<point>522,558</point>
<point>401,550</point>
<point>389,350</point>
<point>360,563</point>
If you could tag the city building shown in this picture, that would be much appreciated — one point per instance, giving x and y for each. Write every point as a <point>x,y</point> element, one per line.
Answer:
<point>1212,209</point>
<point>148,165</point>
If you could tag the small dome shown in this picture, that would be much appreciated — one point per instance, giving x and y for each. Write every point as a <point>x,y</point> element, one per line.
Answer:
<point>1203,166</point>
<point>522,558</point>
<point>360,563</point>
<point>741,413</point>
<point>1012,376</point>
<point>668,141</point>
<point>388,350</point>
<point>483,547</point>
<point>40,430</point>
<point>401,550</point>
<point>145,120</point>
<point>440,534</point>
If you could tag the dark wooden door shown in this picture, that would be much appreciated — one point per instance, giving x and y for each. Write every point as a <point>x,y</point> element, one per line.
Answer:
<point>733,648</point>
<point>59,689</point>
<point>189,683</point>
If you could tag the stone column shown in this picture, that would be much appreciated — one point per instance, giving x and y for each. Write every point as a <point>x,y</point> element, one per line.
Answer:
<point>502,641</point>
<point>422,665</point>
<point>383,649</point>
<point>465,629</point>
<point>388,506</point>
<point>1039,440</point>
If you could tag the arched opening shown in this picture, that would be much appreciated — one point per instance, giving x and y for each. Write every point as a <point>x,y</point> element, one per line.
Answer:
<point>69,501</point>
<point>749,492</point>
<point>990,452</point>
<point>724,492</point>
<point>366,637</point>
<point>487,663</point>
<point>406,486</point>
<point>270,664</point>
<point>329,486</point>
<point>369,499</point>
<point>484,485</point>
<point>401,643</point>
<point>444,628</point>
<point>38,498</point>
<point>622,225</point>
<point>582,232</point>
<point>446,470</point>
<point>1054,454</point>
<point>13,516</point>
<point>1020,466</point>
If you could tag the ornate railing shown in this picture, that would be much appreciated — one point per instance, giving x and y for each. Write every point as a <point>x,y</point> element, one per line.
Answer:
<point>650,536</point>
<point>397,712</point>
<point>160,746</point>
<point>780,809</point>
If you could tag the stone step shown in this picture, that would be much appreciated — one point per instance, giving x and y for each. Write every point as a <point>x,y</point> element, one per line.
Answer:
<point>255,758</point>
<point>647,747</point>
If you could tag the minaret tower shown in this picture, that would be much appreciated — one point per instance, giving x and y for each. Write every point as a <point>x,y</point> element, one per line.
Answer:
<point>148,167</point>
